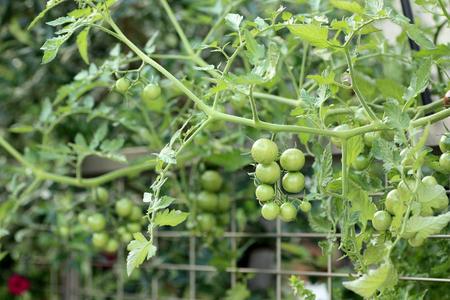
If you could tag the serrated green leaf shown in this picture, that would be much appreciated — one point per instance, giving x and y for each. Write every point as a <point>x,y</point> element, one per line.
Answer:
<point>431,197</point>
<point>355,146</point>
<point>255,52</point>
<point>140,250</point>
<point>61,21</point>
<point>19,128</point>
<point>361,204</point>
<point>50,4</point>
<point>234,21</point>
<point>314,34</point>
<point>325,78</point>
<point>390,88</point>
<point>395,117</point>
<point>170,217</point>
<point>422,227</point>
<point>51,47</point>
<point>419,81</point>
<point>99,136</point>
<point>375,280</point>
<point>386,151</point>
<point>162,203</point>
<point>82,44</point>
<point>350,6</point>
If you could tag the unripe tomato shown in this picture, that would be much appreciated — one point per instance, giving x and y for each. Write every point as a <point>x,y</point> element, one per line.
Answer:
<point>64,231</point>
<point>393,202</point>
<point>264,151</point>
<point>361,162</point>
<point>151,92</point>
<point>264,192</point>
<point>206,222</point>
<point>112,246</point>
<point>270,211</point>
<point>207,201</point>
<point>126,237</point>
<point>444,162</point>
<point>269,173</point>
<point>224,202</point>
<point>293,182</point>
<point>444,143</point>
<point>337,141</point>
<point>133,227</point>
<point>136,214</point>
<point>96,222</point>
<point>101,194</point>
<point>415,242</point>
<point>82,218</point>
<point>305,206</point>
<point>288,212</point>
<point>292,159</point>
<point>121,230</point>
<point>122,85</point>
<point>381,220</point>
<point>99,240</point>
<point>429,180</point>
<point>211,181</point>
<point>370,137</point>
<point>361,116</point>
<point>123,207</point>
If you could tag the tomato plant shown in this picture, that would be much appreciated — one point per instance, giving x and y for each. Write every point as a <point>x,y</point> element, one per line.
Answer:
<point>307,80</point>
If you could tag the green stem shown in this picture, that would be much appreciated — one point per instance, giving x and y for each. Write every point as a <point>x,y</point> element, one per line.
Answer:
<point>253,106</point>
<point>302,70</point>
<point>444,9</point>
<point>358,93</point>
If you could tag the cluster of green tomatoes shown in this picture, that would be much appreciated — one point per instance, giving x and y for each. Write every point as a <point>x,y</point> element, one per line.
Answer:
<point>268,174</point>
<point>212,205</point>
<point>444,159</point>
<point>129,220</point>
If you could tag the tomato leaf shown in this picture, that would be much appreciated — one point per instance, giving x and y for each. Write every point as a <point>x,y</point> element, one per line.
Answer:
<point>234,21</point>
<point>396,118</point>
<point>361,204</point>
<point>170,217</point>
<point>431,197</point>
<point>419,81</point>
<point>423,227</point>
<point>140,249</point>
<point>82,44</point>
<point>375,280</point>
<point>314,34</point>
<point>350,6</point>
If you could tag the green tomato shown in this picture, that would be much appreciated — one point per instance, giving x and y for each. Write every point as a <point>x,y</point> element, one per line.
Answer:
<point>96,222</point>
<point>269,173</point>
<point>133,227</point>
<point>429,180</point>
<point>264,151</point>
<point>64,231</point>
<point>156,105</point>
<point>293,182</point>
<point>123,207</point>
<point>337,141</point>
<point>82,218</point>
<point>224,219</point>
<point>270,211</point>
<point>370,137</point>
<point>207,201</point>
<point>415,242</point>
<point>99,240</point>
<point>126,237</point>
<point>151,92</point>
<point>305,206</point>
<point>122,85</point>
<point>361,162</point>
<point>288,212</point>
<point>444,143</point>
<point>101,195</point>
<point>206,222</point>
<point>112,246</point>
<point>292,159</point>
<point>136,214</point>
<point>122,230</point>
<point>394,202</point>
<point>264,192</point>
<point>224,202</point>
<point>361,116</point>
<point>444,162</point>
<point>211,181</point>
<point>381,220</point>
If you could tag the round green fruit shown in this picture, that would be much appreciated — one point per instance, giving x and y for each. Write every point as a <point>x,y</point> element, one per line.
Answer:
<point>151,92</point>
<point>112,246</point>
<point>268,173</point>
<point>370,137</point>
<point>122,85</point>
<point>136,214</point>
<point>207,201</point>
<point>206,222</point>
<point>288,212</point>
<point>224,202</point>
<point>126,237</point>
<point>337,141</point>
<point>444,162</point>
<point>96,222</point>
<point>99,240</point>
<point>101,195</point>
<point>264,151</point>
<point>361,162</point>
<point>415,242</point>
<point>293,182</point>
<point>123,207</point>
<point>361,116</point>
<point>429,180</point>
<point>292,159</point>
<point>444,143</point>
<point>211,181</point>
<point>270,211</point>
<point>381,220</point>
<point>264,192</point>
<point>305,206</point>
<point>393,202</point>
<point>133,227</point>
